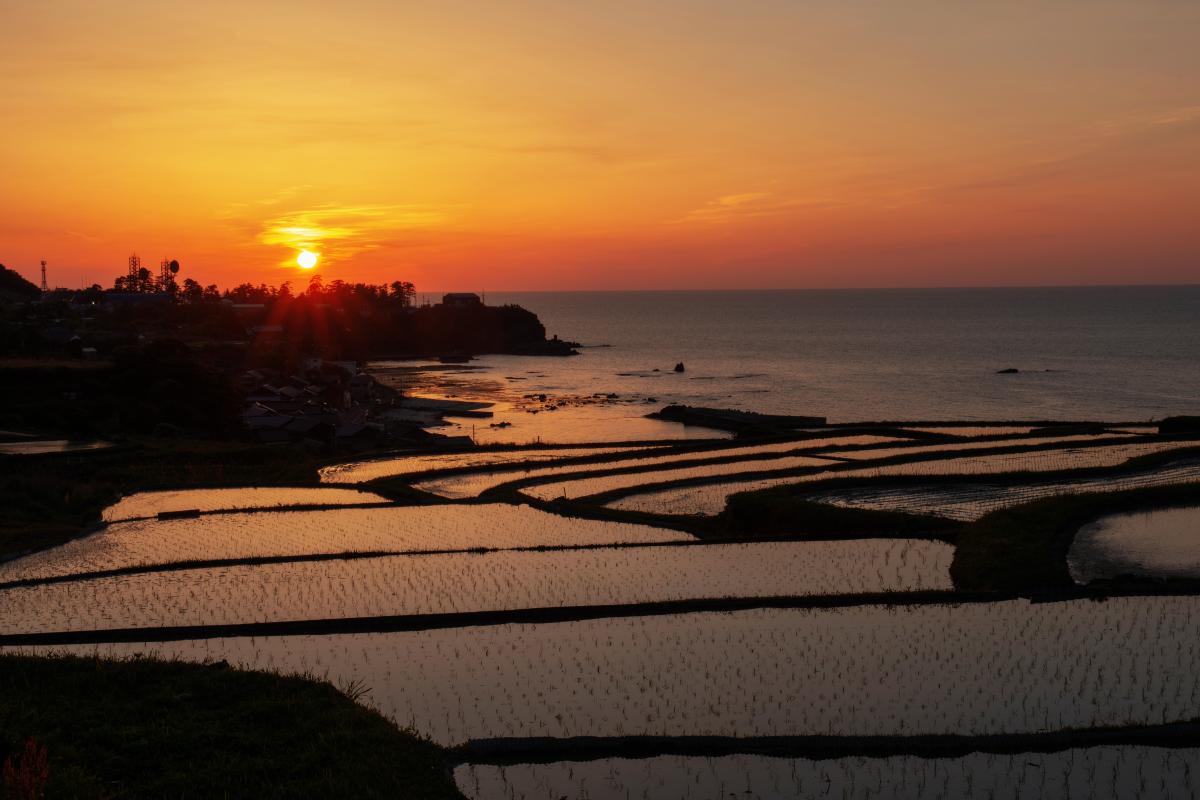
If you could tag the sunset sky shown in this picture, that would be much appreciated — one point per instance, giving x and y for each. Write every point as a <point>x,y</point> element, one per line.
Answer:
<point>605,145</point>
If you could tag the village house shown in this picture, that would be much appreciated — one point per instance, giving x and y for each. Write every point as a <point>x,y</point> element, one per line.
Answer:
<point>461,300</point>
<point>319,408</point>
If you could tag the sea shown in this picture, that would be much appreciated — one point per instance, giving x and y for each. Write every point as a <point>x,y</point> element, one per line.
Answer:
<point>1121,354</point>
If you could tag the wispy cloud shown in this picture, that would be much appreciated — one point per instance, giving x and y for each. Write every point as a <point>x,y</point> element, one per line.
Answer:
<point>338,232</point>
<point>1129,143</point>
<point>1135,124</point>
<point>743,206</point>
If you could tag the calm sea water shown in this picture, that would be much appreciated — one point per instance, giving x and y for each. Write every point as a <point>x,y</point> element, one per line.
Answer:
<point>1119,353</point>
<point>1114,353</point>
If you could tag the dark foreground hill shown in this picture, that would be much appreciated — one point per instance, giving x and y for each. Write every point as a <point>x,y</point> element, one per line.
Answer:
<point>92,728</point>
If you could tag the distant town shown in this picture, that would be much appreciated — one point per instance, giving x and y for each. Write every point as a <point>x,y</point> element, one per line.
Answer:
<point>271,364</point>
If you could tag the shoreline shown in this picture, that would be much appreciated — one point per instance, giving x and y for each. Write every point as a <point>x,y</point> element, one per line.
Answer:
<point>477,403</point>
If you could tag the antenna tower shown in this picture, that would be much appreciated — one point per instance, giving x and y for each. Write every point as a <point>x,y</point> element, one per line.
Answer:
<point>135,266</point>
<point>44,287</point>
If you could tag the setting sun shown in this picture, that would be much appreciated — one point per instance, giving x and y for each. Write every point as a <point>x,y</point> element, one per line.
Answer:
<point>307,259</point>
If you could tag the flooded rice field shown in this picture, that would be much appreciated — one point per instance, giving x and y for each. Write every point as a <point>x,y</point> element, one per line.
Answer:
<point>968,502</point>
<point>588,486</point>
<point>362,471</point>
<point>1007,667</point>
<point>955,447</point>
<point>448,583</point>
<point>1102,773</point>
<point>1031,460</point>
<point>298,533</point>
<point>474,484</point>
<point>709,499</point>
<point>1160,543</point>
<point>904,669</point>
<point>45,446</point>
<point>149,504</point>
<point>979,430</point>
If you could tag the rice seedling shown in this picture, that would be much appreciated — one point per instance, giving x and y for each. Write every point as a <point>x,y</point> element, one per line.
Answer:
<point>149,504</point>
<point>1103,773</point>
<point>956,447</point>
<point>270,533</point>
<point>970,501</point>
<point>474,484</point>
<point>589,486</point>
<point>709,498</point>
<point>362,471</point>
<point>451,583</point>
<point>1003,667</point>
<point>976,430</point>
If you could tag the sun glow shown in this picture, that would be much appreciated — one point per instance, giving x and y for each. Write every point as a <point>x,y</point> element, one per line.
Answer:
<point>307,259</point>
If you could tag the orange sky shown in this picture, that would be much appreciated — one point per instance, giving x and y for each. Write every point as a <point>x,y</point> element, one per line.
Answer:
<point>606,145</point>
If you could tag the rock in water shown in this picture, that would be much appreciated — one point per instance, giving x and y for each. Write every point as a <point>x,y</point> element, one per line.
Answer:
<point>740,422</point>
<point>679,367</point>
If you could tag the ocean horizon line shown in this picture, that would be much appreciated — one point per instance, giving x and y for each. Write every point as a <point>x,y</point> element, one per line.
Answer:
<point>842,289</point>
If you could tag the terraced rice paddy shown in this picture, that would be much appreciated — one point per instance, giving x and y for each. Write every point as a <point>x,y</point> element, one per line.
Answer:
<point>448,583</point>
<point>850,669</point>
<point>1160,543</point>
<point>149,504</point>
<point>955,447</point>
<point>1101,773</point>
<point>982,430</point>
<point>607,483</point>
<point>458,487</point>
<point>1032,461</point>
<point>42,447</point>
<point>363,471</point>
<point>968,502</point>
<point>298,533</point>
<point>1004,667</point>
<point>709,499</point>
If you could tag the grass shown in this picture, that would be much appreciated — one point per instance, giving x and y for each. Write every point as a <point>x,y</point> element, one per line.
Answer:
<point>1024,548</point>
<point>782,513</point>
<point>1017,550</point>
<point>147,728</point>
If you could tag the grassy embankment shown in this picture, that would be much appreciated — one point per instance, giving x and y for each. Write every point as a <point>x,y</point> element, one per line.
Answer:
<point>1022,549</point>
<point>145,728</point>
